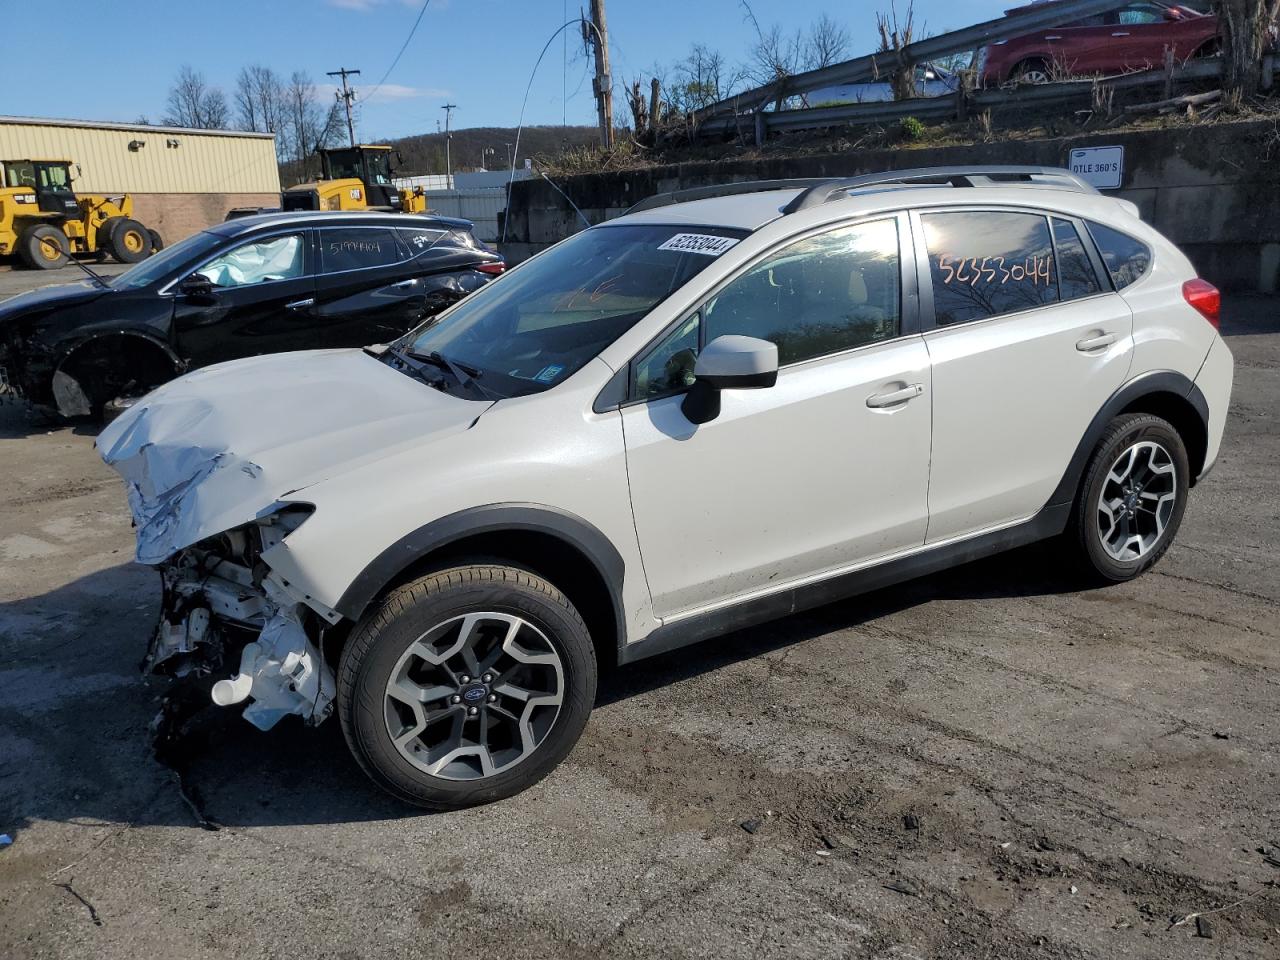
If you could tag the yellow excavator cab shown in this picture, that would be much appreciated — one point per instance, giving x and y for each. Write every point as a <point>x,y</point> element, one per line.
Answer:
<point>355,178</point>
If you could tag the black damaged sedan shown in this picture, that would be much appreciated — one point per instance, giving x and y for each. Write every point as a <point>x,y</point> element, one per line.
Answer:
<point>261,284</point>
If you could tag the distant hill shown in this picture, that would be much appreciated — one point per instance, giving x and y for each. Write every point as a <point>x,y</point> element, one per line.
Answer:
<point>425,153</point>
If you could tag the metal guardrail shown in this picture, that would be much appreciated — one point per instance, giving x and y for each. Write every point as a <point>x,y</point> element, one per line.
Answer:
<point>924,108</point>
<point>879,65</point>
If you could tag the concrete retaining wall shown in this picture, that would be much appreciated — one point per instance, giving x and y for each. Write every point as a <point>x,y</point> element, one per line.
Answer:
<point>1214,190</point>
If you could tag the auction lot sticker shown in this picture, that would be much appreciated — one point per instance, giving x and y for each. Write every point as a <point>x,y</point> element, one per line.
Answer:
<point>1103,167</point>
<point>703,243</point>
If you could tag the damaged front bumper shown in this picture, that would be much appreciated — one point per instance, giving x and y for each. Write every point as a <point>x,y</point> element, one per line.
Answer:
<point>224,611</point>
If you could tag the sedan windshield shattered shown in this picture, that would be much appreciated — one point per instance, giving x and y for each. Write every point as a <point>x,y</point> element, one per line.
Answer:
<point>534,328</point>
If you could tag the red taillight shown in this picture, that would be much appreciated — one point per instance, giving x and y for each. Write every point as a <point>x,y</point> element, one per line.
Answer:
<point>495,268</point>
<point>1204,296</point>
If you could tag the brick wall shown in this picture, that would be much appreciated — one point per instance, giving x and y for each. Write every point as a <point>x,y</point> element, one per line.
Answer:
<point>178,215</point>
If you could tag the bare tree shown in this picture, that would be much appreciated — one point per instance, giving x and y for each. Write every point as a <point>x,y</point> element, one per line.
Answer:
<point>896,34</point>
<point>308,125</point>
<point>193,103</point>
<point>826,43</point>
<point>776,56</point>
<point>260,99</point>
<point>700,78</point>
<point>1247,29</point>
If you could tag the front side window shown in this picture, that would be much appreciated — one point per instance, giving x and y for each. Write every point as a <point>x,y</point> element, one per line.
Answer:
<point>551,316</point>
<point>1127,259</point>
<point>355,248</point>
<point>987,263</point>
<point>818,296</point>
<point>279,258</point>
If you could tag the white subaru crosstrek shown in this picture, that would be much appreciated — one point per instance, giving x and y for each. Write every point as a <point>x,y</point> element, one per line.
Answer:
<point>695,417</point>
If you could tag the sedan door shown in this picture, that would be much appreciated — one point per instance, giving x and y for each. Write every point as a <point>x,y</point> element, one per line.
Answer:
<point>1029,342</point>
<point>250,302</point>
<point>366,291</point>
<point>823,471</point>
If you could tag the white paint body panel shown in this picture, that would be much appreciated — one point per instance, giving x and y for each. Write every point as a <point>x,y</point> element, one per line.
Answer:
<point>788,481</point>
<point>1012,398</point>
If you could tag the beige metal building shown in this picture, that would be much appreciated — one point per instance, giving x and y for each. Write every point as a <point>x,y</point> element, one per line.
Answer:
<point>181,180</point>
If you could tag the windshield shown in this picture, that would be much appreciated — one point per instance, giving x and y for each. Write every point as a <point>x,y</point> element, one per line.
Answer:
<point>158,265</point>
<point>19,174</point>
<point>54,176</point>
<point>526,332</point>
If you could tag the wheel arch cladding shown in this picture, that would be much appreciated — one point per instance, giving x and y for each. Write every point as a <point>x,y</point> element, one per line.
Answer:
<point>559,546</point>
<point>1165,393</point>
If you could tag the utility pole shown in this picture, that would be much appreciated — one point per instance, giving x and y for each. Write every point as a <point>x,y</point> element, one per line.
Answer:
<point>509,161</point>
<point>448,109</point>
<point>598,36</point>
<point>347,96</point>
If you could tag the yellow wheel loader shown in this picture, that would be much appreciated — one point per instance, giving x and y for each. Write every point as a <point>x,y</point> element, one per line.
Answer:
<point>44,221</point>
<point>355,178</point>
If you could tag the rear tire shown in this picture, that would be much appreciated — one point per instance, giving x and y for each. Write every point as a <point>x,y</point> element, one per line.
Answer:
<point>157,244</point>
<point>129,241</point>
<point>466,686</point>
<point>1131,499</point>
<point>43,246</point>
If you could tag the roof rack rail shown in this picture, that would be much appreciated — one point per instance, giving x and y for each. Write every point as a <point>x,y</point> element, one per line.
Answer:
<point>976,176</point>
<point>724,190</point>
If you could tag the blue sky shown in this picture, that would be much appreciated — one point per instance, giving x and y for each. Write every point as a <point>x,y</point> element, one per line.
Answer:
<point>475,53</point>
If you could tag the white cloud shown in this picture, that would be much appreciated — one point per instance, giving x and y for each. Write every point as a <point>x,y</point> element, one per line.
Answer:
<point>364,6</point>
<point>396,91</point>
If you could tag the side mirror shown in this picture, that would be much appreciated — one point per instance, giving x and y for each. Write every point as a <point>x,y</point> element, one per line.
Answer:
<point>196,286</point>
<point>1172,13</point>
<point>728,363</point>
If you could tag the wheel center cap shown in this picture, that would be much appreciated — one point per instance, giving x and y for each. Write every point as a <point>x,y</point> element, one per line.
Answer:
<point>475,693</point>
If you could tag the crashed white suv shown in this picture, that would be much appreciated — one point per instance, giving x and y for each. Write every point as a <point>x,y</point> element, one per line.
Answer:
<point>695,417</point>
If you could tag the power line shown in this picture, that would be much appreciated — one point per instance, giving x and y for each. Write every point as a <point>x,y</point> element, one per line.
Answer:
<point>403,48</point>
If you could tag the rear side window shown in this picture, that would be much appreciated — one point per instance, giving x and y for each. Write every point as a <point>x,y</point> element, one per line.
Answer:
<point>1126,258</point>
<point>1076,276</point>
<point>355,248</point>
<point>417,239</point>
<point>987,263</point>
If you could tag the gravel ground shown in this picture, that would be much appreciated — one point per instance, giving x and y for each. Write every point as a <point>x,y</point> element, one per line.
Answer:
<point>18,279</point>
<point>979,764</point>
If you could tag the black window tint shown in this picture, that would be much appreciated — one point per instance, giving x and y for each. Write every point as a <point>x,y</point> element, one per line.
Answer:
<point>1127,259</point>
<point>417,239</point>
<point>352,248</point>
<point>821,295</point>
<point>1076,277</point>
<point>984,264</point>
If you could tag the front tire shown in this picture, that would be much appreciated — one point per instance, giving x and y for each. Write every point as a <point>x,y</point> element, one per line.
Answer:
<point>44,247</point>
<point>466,686</point>
<point>1131,500</point>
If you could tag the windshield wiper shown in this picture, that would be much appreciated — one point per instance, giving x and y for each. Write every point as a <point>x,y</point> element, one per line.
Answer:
<point>465,374</point>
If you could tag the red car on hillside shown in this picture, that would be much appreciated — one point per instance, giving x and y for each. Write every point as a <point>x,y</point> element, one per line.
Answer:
<point>1132,37</point>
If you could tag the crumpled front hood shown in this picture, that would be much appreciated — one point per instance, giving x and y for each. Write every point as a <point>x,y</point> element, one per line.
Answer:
<point>45,298</point>
<point>219,447</point>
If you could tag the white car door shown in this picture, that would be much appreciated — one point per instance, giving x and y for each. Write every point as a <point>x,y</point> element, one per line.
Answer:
<point>1029,343</point>
<point>825,469</point>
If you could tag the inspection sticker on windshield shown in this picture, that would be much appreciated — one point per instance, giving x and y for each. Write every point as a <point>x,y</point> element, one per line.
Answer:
<point>702,243</point>
<point>548,374</point>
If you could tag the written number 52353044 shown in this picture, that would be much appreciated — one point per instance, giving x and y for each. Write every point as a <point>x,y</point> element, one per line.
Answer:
<point>1035,269</point>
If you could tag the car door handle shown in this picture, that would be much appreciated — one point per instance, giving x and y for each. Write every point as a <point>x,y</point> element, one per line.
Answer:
<point>1053,38</point>
<point>1089,344</point>
<point>301,304</point>
<point>1120,34</point>
<point>894,397</point>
